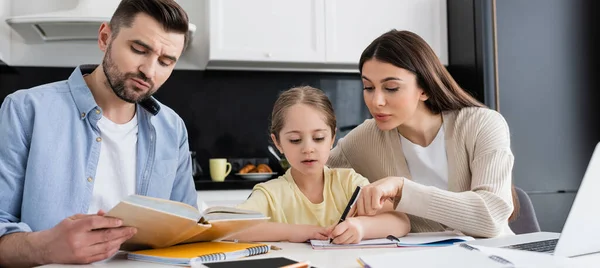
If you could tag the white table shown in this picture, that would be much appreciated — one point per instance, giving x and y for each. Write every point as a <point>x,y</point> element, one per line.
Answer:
<point>341,258</point>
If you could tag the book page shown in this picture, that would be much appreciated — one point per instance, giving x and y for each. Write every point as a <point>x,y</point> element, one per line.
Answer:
<point>155,227</point>
<point>232,210</point>
<point>164,205</point>
<point>212,217</point>
<point>382,242</point>
<point>223,229</point>
<point>219,213</point>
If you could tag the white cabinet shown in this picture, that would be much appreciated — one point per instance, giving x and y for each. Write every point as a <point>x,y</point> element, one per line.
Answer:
<point>267,30</point>
<point>353,24</point>
<point>4,31</point>
<point>314,34</point>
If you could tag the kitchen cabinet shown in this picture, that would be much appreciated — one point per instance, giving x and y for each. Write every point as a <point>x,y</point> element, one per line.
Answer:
<point>267,30</point>
<point>318,33</point>
<point>351,25</point>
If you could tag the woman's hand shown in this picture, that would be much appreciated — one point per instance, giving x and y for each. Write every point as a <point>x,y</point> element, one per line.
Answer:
<point>304,232</point>
<point>373,196</point>
<point>350,231</point>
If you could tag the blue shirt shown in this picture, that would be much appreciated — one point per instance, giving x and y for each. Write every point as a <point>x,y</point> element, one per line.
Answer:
<point>49,154</point>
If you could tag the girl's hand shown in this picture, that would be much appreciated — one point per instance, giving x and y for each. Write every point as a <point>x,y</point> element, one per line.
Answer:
<point>350,231</point>
<point>303,233</point>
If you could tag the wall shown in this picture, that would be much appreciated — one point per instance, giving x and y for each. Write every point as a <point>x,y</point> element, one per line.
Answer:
<point>4,32</point>
<point>226,112</point>
<point>544,71</point>
<point>547,88</point>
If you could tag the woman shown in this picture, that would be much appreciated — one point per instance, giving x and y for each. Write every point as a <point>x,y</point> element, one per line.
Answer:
<point>445,158</point>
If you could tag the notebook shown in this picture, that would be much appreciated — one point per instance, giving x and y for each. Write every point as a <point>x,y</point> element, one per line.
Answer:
<point>432,239</point>
<point>463,256</point>
<point>201,252</point>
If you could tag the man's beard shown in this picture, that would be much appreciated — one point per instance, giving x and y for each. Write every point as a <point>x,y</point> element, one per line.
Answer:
<point>116,80</point>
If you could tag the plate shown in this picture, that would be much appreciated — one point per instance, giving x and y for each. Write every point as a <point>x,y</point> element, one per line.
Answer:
<point>256,176</point>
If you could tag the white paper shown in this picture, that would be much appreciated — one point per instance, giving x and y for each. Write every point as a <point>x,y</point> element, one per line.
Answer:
<point>452,256</point>
<point>523,258</point>
<point>456,256</point>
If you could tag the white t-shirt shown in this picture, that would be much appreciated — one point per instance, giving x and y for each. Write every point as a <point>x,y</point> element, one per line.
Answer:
<point>427,165</point>
<point>116,172</point>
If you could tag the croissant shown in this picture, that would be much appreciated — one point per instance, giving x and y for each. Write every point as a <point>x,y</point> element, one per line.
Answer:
<point>263,168</point>
<point>247,169</point>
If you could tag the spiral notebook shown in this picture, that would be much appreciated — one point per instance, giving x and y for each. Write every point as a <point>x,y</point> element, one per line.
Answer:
<point>430,239</point>
<point>201,252</point>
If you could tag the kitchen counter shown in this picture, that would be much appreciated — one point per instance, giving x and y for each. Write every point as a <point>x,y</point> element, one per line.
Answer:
<point>232,182</point>
<point>203,185</point>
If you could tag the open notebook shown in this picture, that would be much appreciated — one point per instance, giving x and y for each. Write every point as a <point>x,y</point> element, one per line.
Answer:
<point>433,239</point>
<point>201,252</point>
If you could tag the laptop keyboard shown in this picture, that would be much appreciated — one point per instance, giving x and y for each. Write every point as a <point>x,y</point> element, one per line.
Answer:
<point>546,246</point>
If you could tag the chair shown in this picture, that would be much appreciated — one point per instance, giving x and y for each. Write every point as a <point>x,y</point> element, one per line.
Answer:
<point>526,221</point>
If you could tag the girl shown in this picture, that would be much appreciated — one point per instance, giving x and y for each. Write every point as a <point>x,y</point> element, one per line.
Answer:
<point>307,202</point>
<point>447,156</point>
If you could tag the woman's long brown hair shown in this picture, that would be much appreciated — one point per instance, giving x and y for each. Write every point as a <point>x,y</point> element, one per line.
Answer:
<point>409,51</point>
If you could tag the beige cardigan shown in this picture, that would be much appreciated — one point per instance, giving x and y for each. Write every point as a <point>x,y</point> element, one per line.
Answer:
<point>478,201</point>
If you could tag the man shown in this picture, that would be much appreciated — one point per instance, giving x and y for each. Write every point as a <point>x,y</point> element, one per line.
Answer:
<point>72,149</point>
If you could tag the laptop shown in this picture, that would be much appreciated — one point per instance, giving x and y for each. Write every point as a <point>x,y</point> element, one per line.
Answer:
<point>581,232</point>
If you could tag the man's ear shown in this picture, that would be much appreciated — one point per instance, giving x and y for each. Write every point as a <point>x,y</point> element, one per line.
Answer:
<point>104,35</point>
<point>274,139</point>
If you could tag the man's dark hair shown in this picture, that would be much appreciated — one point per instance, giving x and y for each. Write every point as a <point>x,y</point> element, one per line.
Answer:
<point>167,12</point>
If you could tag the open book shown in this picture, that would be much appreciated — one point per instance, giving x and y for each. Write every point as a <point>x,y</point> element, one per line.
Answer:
<point>162,223</point>
<point>432,239</point>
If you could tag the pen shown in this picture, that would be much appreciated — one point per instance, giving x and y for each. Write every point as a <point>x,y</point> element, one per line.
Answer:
<point>351,203</point>
<point>302,264</point>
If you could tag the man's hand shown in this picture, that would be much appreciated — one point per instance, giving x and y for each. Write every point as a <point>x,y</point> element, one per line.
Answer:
<point>303,233</point>
<point>82,239</point>
<point>349,231</point>
<point>373,196</point>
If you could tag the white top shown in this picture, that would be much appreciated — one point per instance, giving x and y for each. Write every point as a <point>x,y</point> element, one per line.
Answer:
<point>116,171</point>
<point>427,165</point>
